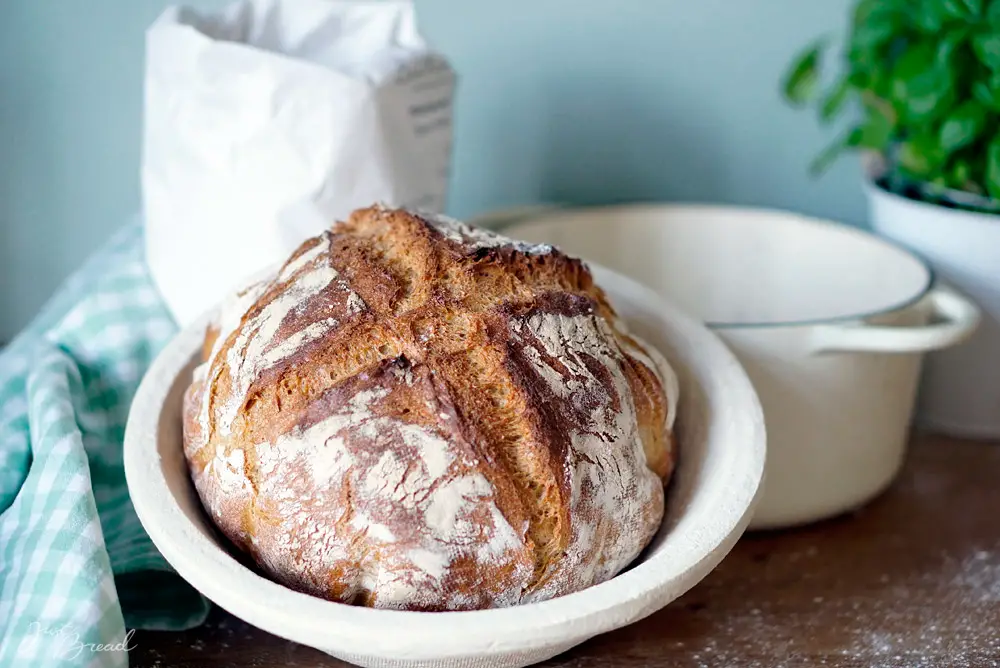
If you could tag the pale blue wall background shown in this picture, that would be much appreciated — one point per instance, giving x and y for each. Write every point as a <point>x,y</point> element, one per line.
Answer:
<point>578,100</point>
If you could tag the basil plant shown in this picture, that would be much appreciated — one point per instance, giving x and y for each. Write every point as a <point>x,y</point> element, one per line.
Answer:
<point>920,84</point>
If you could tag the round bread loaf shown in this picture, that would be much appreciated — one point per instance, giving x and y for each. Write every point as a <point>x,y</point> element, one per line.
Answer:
<point>415,414</point>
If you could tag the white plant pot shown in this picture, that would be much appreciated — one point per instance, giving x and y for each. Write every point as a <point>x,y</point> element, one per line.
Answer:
<point>960,387</point>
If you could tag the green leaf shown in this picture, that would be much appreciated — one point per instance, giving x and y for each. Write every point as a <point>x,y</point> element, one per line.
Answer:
<point>876,131</point>
<point>875,33</point>
<point>834,101</point>
<point>960,174</point>
<point>868,71</point>
<point>993,168</point>
<point>929,16</point>
<point>921,156</point>
<point>802,79</point>
<point>950,44</point>
<point>829,155</point>
<point>962,126</point>
<point>963,9</point>
<point>859,78</point>
<point>922,87</point>
<point>993,13</point>
<point>876,22</point>
<point>867,11</point>
<point>987,92</point>
<point>987,48</point>
<point>863,10</point>
<point>976,157</point>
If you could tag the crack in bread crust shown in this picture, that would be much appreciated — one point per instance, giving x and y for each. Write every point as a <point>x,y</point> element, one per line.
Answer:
<point>389,295</point>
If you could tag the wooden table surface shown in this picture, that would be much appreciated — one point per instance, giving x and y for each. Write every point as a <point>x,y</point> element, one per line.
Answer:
<point>913,579</point>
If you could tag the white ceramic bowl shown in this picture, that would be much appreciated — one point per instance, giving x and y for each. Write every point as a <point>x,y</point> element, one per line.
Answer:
<point>710,502</point>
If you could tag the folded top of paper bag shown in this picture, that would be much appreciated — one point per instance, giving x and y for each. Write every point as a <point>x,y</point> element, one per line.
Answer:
<point>363,40</point>
<point>268,120</point>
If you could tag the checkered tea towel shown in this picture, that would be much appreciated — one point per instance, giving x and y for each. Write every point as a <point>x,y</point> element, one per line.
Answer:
<point>76,568</point>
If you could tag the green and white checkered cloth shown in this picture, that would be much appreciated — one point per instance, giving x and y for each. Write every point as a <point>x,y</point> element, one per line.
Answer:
<point>76,567</point>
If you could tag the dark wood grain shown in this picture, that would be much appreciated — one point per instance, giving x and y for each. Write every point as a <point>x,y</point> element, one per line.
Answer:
<point>912,579</point>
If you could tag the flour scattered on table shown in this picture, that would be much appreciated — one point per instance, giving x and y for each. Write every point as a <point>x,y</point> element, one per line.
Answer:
<point>979,575</point>
<point>938,616</point>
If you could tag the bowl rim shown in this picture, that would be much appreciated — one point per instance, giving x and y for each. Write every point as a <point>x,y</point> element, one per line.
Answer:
<point>307,619</point>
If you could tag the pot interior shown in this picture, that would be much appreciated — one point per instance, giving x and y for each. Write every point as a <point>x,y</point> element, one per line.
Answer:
<point>740,267</point>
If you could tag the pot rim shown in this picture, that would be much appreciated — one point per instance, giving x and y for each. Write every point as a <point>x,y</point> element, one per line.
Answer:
<point>864,235</point>
<point>872,171</point>
<point>931,279</point>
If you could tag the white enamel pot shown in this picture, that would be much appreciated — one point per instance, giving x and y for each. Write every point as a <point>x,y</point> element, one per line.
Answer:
<point>830,323</point>
<point>960,390</point>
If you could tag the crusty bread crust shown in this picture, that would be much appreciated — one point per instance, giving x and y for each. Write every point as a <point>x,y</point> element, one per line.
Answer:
<point>415,414</point>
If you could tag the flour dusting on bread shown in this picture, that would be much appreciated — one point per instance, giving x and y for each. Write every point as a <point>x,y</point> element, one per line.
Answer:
<point>476,238</point>
<point>610,495</point>
<point>257,346</point>
<point>248,355</point>
<point>413,492</point>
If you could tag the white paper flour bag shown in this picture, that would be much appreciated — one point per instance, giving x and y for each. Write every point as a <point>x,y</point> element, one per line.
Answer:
<point>269,120</point>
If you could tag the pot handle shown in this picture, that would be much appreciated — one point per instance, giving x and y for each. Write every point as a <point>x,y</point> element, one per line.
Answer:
<point>957,319</point>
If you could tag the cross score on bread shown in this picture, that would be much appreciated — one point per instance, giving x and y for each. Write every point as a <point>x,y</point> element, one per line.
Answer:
<point>416,414</point>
